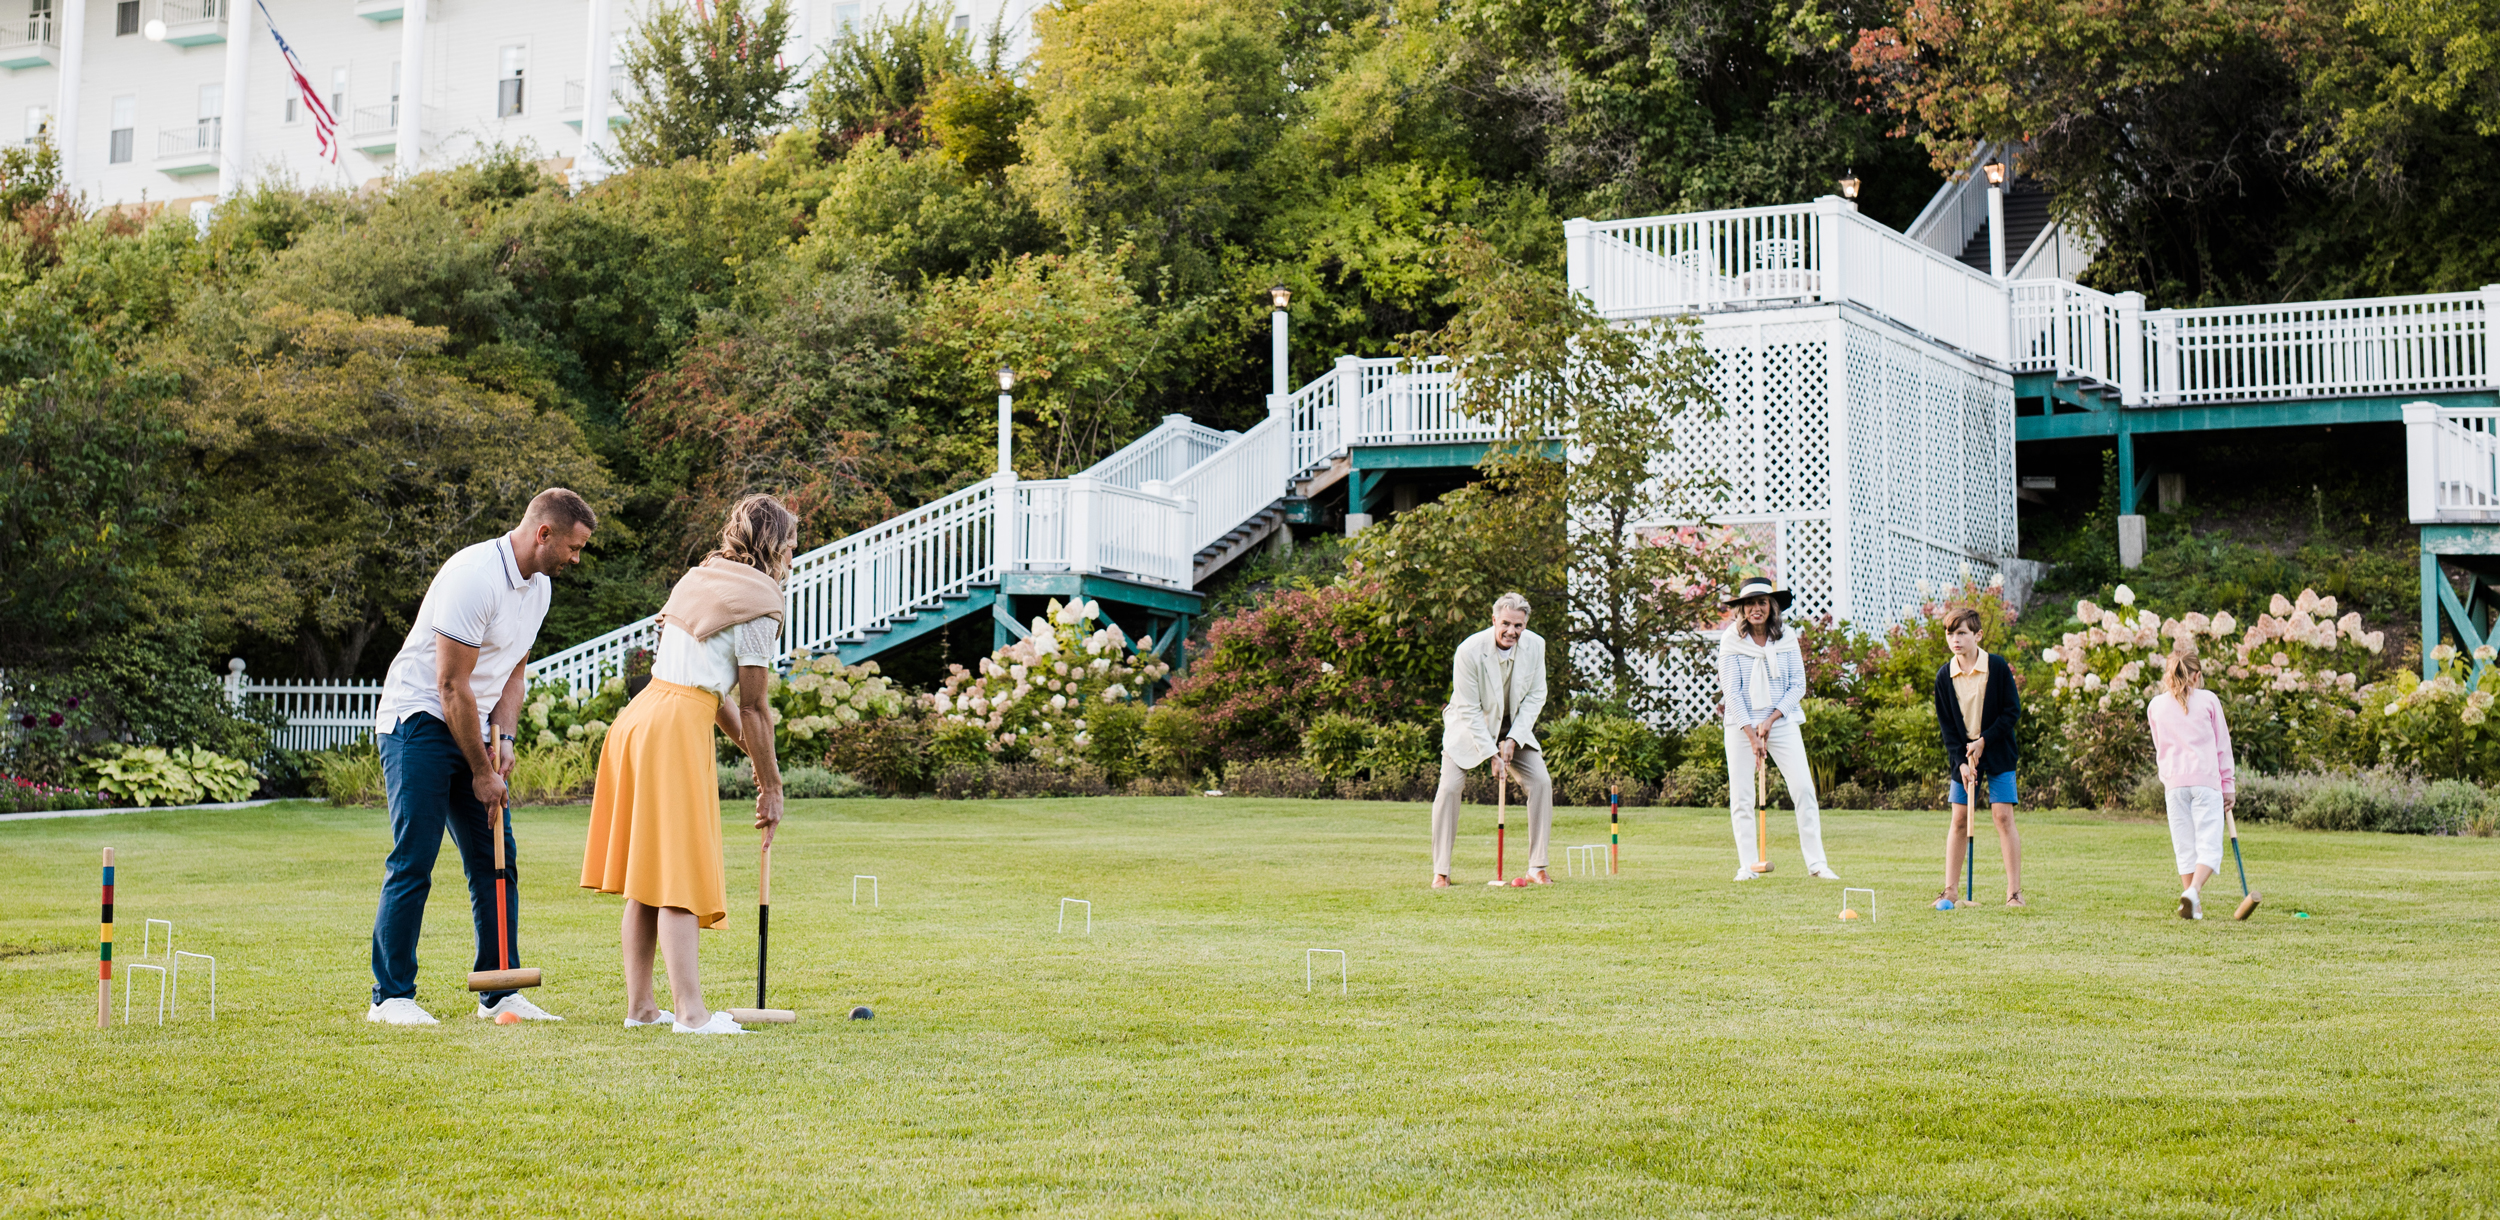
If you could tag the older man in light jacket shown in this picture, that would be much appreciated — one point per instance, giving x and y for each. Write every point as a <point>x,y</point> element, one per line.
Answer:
<point>1497,687</point>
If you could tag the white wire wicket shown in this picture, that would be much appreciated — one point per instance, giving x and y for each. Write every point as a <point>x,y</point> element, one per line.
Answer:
<point>1592,856</point>
<point>1308,954</point>
<point>212,980</point>
<point>1089,914</point>
<point>873,898</point>
<point>1845,908</point>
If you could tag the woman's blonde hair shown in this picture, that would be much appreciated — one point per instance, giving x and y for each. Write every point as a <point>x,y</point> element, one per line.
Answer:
<point>762,534</point>
<point>2180,674</point>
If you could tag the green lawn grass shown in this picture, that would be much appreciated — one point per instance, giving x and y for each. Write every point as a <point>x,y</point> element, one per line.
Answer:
<point>1660,1043</point>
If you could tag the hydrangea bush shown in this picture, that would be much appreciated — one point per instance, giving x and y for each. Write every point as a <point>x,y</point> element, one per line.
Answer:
<point>1035,698</point>
<point>557,715</point>
<point>821,694</point>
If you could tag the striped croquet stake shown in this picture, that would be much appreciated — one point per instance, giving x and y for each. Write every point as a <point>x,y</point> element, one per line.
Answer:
<point>1614,828</point>
<point>104,952</point>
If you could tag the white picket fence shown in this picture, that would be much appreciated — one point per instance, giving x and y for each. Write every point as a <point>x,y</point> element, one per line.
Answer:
<point>318,714</point>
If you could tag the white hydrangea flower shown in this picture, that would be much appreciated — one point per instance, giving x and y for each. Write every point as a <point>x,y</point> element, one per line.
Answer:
<point>2124,596</point>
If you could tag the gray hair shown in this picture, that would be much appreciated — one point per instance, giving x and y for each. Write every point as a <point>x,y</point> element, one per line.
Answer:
<point>1510,601</point>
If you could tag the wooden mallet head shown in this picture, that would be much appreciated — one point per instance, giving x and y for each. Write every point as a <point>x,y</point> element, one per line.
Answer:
<point>761,1016</point>
<point>2248,906</point>
<point>503,980</point>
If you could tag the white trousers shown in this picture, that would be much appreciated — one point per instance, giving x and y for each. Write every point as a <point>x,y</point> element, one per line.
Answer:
<point>1527,767</point>
<point>1788,750</point>
<point>2196,827</point>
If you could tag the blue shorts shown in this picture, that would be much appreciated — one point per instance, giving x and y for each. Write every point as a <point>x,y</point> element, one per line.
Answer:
<point>2000,790</point>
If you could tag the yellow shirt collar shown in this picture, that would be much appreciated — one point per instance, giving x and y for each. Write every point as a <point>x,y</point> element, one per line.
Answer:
<point>1978,665</point>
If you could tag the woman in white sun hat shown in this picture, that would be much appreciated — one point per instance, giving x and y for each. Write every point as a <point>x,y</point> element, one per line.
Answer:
<point>1762,683</point>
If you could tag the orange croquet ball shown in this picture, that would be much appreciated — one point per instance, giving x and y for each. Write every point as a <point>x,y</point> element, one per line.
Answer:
<point>507,1018</point>
<point>1848,914</point>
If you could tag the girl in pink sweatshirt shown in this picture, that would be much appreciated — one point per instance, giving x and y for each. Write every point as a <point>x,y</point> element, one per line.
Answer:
<point>2192,746</point>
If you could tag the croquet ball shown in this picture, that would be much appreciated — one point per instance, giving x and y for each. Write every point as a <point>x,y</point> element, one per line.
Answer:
<point>1848,914</point>
<point>1944,904</point>
<point>507,1018</point>
<point>2300,914</point>
<point>862,1013</point>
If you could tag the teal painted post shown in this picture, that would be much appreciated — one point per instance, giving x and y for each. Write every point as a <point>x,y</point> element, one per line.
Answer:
<point>1358,491</point>
<point>2431,579</point>
<point>2126,467</point>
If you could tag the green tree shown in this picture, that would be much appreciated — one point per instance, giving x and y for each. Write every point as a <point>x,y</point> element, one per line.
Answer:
<point>1575,499</point>
<point>877,79</point>
<point>705,80</point>
<point>340,461</point>
<point>1153,125</point>
<point>1085,349</point>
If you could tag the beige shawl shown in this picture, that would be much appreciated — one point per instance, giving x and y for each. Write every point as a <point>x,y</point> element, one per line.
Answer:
<point>721,594</point>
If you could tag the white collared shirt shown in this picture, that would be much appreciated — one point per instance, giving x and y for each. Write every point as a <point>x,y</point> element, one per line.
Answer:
<point>479,598</point>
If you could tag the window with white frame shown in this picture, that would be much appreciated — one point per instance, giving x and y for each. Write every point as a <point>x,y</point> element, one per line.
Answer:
<point>514,64</point>
<point>38,123</point>
<point>39,21</point>
<point>125,18</point>
<point>845,19</point>
<point>338,92</point>
<point>125,128</point>
<point>963,23</point>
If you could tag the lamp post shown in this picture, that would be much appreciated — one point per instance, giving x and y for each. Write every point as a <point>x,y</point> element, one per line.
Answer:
<point>1006,421</point>
<point>1849,185</point>
<point>1996,218</point>
<point>1281,297</point>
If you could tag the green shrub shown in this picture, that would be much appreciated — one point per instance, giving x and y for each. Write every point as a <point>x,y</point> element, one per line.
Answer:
<point>822,700</point>
<point>554,775</point>
<point>1333,746</point>
<point>1403,753</point>
<point>1277,777</point>
<point>817,783</point>
<point>1901,745</point>
<point>737,780</point>
<point>1835,737</point>
<point>1176,742</point>
<point>1615,746</point>
<point>183,775</point>
<point>891,753</point>
<point>2381,799</point>
<point>349,775</point>
<point>956,744</point>
<point>1112,735</point>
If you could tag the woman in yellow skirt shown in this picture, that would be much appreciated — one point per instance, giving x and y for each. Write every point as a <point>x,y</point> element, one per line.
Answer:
<point>655,818</point>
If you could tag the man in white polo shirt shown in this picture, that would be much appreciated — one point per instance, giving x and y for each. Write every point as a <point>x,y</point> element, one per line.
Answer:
<point>456,685</point>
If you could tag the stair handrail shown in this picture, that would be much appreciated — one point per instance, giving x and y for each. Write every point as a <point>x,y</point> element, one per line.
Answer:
<point>1958,208</point>
<point>1170,447</point>
<point>1236,483</point>
<point>854,583</point>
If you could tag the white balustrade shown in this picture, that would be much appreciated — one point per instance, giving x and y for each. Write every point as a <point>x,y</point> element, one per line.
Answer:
<point>2068,329</point>
<point>1234,484</point>
<point>2319,349</point>
<point>2452,463</point>
<point>1162,454</point>
<point>1816,253</point>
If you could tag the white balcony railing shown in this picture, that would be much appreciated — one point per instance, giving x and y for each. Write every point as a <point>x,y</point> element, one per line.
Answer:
<point>189,141</point>
<point>28,42</point>
<point>1818,253</point>
<point>192,23</point>
<point>2319,349</point>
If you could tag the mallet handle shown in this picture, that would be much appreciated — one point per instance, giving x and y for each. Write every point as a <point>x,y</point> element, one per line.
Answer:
<point>503,925</point>
<point>763,921</point>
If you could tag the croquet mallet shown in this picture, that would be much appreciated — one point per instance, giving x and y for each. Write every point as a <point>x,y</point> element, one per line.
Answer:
<point>1762,813</point>
<point>760,1015</point>
<point>2248,901</point>
<point>506,978</point>
<point>1970,841</point>
<point>1501,818</point>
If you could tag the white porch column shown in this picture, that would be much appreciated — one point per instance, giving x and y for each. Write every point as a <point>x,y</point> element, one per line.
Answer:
<point>65,102</point>
<point>591,164</point>
<point>233,151</point>
<point>1580,256</point>
<point>411,131</point>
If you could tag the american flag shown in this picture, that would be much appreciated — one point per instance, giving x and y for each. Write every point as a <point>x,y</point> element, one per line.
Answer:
<point>325,124</point>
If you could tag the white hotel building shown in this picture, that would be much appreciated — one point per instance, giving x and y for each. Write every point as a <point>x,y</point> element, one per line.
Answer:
<point>183,102</point>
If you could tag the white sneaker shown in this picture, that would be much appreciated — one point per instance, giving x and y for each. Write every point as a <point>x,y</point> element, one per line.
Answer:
<point>666,1018</point>
<point>719,1024</point>
<point>400,1011</point>
<point>1823,871</point>
<point>1746,874</point>
<point>514,1003</point>
<point>2191,906</point>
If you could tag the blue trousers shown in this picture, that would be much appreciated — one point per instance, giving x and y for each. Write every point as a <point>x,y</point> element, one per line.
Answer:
<point>427,779</point>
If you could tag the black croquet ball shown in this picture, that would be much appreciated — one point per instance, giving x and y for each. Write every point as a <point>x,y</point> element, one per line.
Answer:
<point>863,1013</point>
